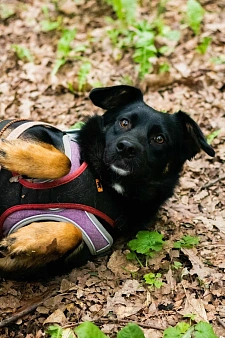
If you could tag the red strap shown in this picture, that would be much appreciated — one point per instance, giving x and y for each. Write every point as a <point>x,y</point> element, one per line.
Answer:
<point>87,208</point>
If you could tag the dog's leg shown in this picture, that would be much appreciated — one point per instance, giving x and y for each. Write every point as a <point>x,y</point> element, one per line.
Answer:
<point>37,244</point>
<point>35,160</point>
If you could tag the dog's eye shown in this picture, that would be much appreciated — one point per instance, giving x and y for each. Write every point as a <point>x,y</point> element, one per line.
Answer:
<point>124,123</point>
<point>159,139</point>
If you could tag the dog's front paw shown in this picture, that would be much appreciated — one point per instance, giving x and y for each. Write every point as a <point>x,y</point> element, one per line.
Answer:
<point>35,160</point>
<point>38,244</point>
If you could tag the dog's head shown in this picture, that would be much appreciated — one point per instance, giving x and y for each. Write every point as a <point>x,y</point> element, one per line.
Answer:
<point>142,141</point>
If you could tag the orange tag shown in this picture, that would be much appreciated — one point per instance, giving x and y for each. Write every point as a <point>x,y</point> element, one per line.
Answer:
<point>99,185</point>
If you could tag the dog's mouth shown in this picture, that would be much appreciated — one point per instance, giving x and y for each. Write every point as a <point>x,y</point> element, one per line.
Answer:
<point>122,171</point>
<point>119,166</point>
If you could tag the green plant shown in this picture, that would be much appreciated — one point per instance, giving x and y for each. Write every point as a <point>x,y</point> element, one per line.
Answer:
<point>164,67</point>
<point>185,330</point>
<point>176,265</point>
<point>153,279</point>
<point>22,53</point>
<point>146,244</point>
<point>140,35</point>
<point>47,24</point>
<point>213,135</point>
<point>191,316</point>
<point>144,47</point>
<point>132,330</point>
<point>6,11</point>
<point>90,330</point>
<point>63,48</point>
<point>195,14</point>
<point>82,74</point>
<point>219,60</point>
<point>186,242</point>
<point>125,10</point>
<point>204,44</point>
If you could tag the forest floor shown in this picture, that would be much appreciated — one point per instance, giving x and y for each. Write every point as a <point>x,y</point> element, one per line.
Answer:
<point>111,291</point>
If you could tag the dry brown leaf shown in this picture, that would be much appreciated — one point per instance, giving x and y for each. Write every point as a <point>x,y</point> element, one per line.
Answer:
<point>198,268</point>
<point>56,317</point>
<point>121,305</point>
<point>119,265</point>
<point>194,306</point>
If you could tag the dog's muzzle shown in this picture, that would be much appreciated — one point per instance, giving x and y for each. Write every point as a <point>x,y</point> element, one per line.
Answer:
<point>126,149</point>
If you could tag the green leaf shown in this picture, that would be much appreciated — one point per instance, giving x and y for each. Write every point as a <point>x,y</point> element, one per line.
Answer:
<point>219,60</point>
<point>146,242</point>
<point>22,53</point>
<point>89,330</point>
<point>58,64</point>
<point>153,279</point>
<point>6,11</point>
<point>55,331</point>
<point>164,67</point>
<point>177,265</point>
<point>131,330</point>
<point>186,242</point>
<point>131,255</point>
<point>47,25</point>
<point>204,330</point>
<point>82,74</point>
<point>177,331</point>
<point>77,125</point>
<point>63,47</point>
<point>202,47</point>
<point>213,135</point>
<point>195,14</point>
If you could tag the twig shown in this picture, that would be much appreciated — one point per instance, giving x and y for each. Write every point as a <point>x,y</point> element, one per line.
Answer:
<point>221,322</point>
<point>212,182</point>
<point>28,309</point>
<point>118,321</point>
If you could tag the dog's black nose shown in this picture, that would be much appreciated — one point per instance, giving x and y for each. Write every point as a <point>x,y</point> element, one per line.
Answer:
<point>125,148</point>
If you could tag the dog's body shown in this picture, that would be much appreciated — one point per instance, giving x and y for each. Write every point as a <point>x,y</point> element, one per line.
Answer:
<point>129,163</point>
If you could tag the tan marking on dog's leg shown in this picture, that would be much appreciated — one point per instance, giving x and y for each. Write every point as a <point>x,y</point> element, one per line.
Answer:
<point>35,160</point>
<point>38,244</point>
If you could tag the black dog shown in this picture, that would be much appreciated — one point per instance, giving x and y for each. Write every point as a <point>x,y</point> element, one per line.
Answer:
<point>77,202</point>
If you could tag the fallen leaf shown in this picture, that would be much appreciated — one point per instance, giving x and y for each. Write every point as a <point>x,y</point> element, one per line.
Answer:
<point>56,317</point>
<point>194,306</point>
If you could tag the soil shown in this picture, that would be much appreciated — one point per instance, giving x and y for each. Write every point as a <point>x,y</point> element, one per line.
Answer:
<point>110,291</point>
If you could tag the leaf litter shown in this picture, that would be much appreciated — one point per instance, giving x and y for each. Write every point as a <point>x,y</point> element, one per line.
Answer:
<point>111,291</point>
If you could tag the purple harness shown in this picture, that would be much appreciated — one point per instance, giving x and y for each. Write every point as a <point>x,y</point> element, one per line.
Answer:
<point>97,238</point>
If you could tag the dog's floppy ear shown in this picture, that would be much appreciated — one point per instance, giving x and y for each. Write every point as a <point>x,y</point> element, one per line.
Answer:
<point>115,96</point>
<point>194,139</point>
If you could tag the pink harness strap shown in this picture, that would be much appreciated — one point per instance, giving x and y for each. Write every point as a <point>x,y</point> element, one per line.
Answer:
<point>15,133</point>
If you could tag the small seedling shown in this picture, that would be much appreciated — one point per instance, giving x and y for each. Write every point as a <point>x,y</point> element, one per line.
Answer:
<point>6,11</point>
<point>185,330</point>
<point>195,14</point>
<point>186,242</point>
<point>164,68</point>
<point>192,317</point>
<point>82,74</point>
<point>22,53</point>
<point>213,135</point>
<point>63,48</point>
<point>177,265</point>
<point>125,10</point>
<point>153,279</point>
<point>147,243</point>
<point>204,44</point>
<point>131,330</point>
<point>219,60</point>
<point>90,330</point>
<point>47,24</point>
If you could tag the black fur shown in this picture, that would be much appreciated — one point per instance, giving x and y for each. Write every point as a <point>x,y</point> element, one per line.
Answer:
<point>151,170</point>
<point>137,152</point>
